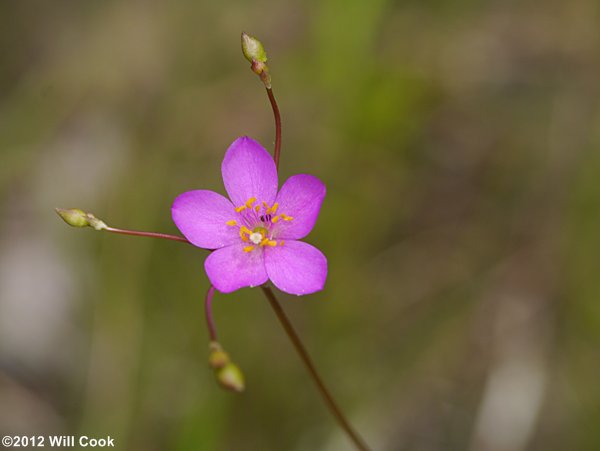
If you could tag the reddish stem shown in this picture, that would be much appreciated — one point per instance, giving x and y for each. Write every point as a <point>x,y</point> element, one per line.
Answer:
<point>212,331</point>
<point>289,329</point>
<point>277,116</point>
<point>164,236</point>
<point>312,370</point>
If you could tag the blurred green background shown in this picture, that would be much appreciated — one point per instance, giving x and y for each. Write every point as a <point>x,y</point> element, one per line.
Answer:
<point>459,143</point>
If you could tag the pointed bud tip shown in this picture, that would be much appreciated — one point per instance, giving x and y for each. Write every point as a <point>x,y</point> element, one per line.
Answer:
<point>230,377</point>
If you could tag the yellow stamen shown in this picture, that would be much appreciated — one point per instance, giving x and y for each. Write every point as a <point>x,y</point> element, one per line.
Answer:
<point>248,248</point>
<point>257,208</point>
<point>231,223</point>
<point>274,207</point>
<point>240,208</point>
<point>281,243</point>
<point>264,242</point>
<point>286,217</point>
<point>274,219</point>
<point>250,201</point>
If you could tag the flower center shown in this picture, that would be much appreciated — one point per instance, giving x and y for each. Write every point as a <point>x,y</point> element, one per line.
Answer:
<point>257,224</point>
<point>256,237</point>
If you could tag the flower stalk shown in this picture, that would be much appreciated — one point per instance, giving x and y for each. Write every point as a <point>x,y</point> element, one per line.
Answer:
<point>277,117</point>
<point>210,323</point>
<point>312,370</point>
<point>335,410</point>
<point>164,236</point>
<point>79,218</point>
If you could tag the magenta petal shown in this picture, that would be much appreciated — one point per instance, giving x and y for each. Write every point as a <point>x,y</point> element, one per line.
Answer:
<point>300,197</point>
<point>230,268</point>
<point>201,216</point>
<point>296,267</point>
<point>249,171</point>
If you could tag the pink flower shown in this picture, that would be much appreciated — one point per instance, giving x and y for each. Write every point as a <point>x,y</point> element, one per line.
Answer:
<point>255,235</point>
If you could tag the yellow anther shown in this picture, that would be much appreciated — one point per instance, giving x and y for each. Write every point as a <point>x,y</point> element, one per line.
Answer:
<point>231,223</point>
<point>274,207</point>
<point>281,243</point>
<point>250,201</point>
<point>286,217</point>
<point>248,248</point>
<point>274,219</point>
<point>268,242</point>
<point>240,208</point>
<point>244,232</point>
<point>257,208</point>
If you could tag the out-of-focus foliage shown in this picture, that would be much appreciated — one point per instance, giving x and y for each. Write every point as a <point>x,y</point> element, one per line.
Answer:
<point>459,143</point>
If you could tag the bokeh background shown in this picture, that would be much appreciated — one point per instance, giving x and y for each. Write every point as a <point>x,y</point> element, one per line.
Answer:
<point>459,143</point>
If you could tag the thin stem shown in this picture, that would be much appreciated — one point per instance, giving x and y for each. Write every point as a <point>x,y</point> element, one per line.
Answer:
<point>277,126</point>
<point>212,331</point>
<point>310,366</point>
<point>164,236</point>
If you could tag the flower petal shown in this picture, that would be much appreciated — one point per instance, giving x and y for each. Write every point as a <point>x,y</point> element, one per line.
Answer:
<point>201,216</point>
<point>230,268</point>
<point>300,197</point>
<point>296,267</point>
<point>249,171</point>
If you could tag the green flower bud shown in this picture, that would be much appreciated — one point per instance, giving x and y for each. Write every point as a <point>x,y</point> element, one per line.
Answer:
<point>79,218</point>
<point>253,49</point>
<point>254,52</point>
<point>73,216</point>
<point>230,377</point>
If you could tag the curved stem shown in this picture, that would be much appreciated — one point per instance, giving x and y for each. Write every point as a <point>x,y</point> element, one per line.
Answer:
<point>277,116</point>
<point>310,366</point>
<point>289,329</point>
<point>164,236</point>
<point>212,331</point>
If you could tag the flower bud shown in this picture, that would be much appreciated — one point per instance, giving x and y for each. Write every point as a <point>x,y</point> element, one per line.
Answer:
<point>217,358</point>
<point>230,377</point>
<point>73,216</point>
<point>254,52</point>
<point>228,374</point>
<point>253,49</point>
<point>79,218</point>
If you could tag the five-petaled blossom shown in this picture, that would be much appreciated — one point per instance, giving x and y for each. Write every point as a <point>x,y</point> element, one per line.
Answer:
<point>255,236</point>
